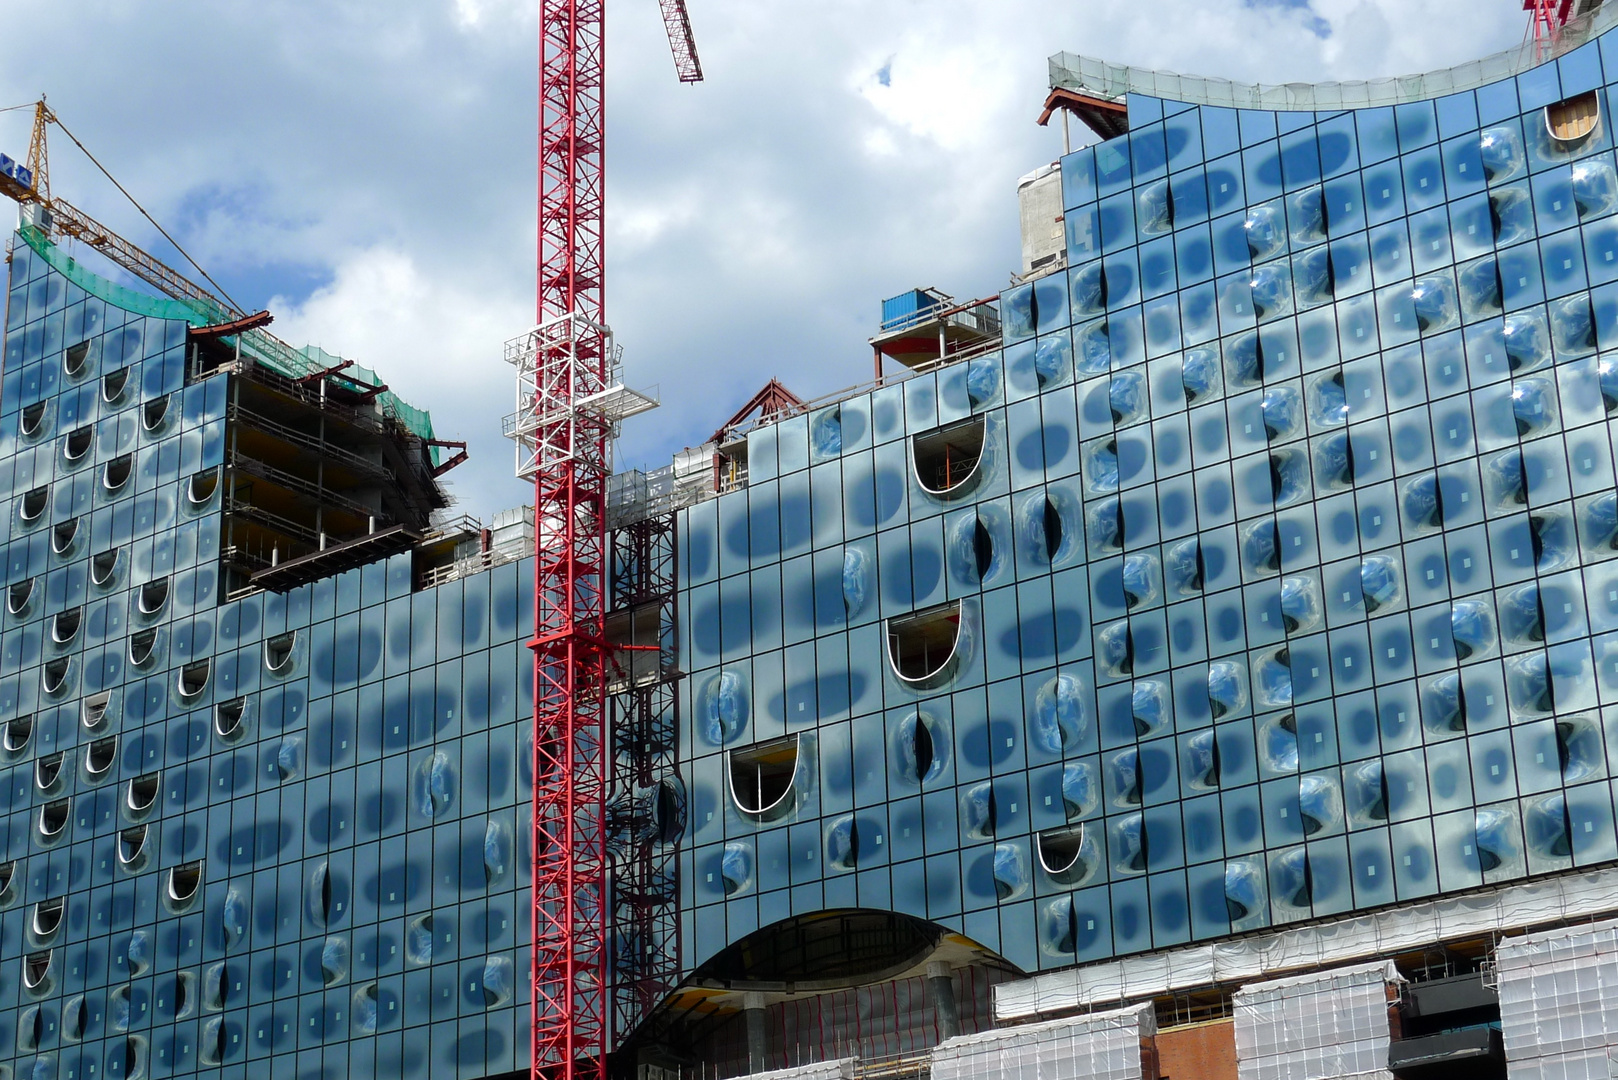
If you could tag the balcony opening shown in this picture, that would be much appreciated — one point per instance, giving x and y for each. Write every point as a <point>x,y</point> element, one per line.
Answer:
<point>18,731</point>
<point>53,818</point>
<point>183,883</point>
<point>320,894</point>
<point>184,992</point>
<point>48,772</point>
<point>116,473</point>
<point>154,412</point>
<point>113,384</point>
<point>1063,855</point>
<point>34,503</point>
<point>134,1058</point>
<point>194,678</point>
<point>278,652</point>
<point>214,1043</point>
<point>36,970</point>
<point>55,674</point>
<point>153,595</point>
<point>761,778</point>
<point>100,756</point>
<point>227,719</point>
<point>141,645</point>
<point>668,812</point>
<point>8,875</point>
<point>102,567</point>
<point>78,443</point>
<point>47,918</point>
<point>201,487</point>
<point>65,625</point>
<point>131,845</point>
<point>923,648</point>
<point>948,460</point>
<point>30,1030</point>
<point>75,1018</point>
<point>1573,119</point>
<point>31,419</point>
<point>75,356</point>
<point>63,534</point>
<point>18,595</point>
<point>141,794</point>
<point>93,711</point>
<point>419,940</point>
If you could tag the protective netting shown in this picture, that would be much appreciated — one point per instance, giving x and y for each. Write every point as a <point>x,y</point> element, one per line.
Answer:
<point>1102,79</point>
<point>1101,1046</point>
<point>820,1070</point>
<point>266,349</point>
<point>1333,1024</point>
<point>879,1022</point>
<point>1316,945</point>
<point>1559,1003</point>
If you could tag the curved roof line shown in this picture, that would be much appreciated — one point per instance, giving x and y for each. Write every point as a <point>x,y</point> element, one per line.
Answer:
<point>1112,81</point>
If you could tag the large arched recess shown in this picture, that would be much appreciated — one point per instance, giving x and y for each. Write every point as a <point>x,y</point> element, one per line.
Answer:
<point>801,963</point>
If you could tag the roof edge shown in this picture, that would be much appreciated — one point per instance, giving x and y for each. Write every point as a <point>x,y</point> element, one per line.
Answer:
<point>1088,75</point>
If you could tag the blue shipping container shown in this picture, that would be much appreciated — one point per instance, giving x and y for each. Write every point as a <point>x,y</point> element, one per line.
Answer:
<point>901,309</point>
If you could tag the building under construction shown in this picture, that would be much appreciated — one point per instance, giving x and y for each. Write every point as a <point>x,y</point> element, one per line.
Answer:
<point>1197,661</point>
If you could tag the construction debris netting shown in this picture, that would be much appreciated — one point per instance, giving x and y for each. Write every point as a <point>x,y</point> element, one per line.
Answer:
<point>1559,1003</point>
<point>1333,1024</point>
<point>1101,1046</point>
<point>874,1023</point>
<point>844,1069</point>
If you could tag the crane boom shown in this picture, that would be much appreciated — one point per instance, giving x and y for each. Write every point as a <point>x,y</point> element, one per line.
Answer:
<point>687,65</point>
<point>58,217</point>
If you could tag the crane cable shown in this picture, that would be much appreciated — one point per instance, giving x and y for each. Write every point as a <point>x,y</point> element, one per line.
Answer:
<point>151,220</point>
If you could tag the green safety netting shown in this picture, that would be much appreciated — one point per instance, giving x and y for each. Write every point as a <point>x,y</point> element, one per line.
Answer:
<point>265,349</point>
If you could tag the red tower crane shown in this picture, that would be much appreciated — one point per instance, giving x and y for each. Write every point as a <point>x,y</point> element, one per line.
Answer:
<point>1547,17</point>
<point>569,401</point>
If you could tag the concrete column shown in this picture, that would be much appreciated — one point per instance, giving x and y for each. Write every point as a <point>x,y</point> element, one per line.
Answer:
<point>943,992</point>
<point>758,1042</point>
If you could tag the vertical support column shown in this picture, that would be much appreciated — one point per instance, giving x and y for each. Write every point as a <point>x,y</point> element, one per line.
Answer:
<point>758,1040</point>
<point>945,1011</point>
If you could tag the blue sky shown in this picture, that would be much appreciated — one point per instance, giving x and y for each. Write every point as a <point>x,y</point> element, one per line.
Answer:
<point>366,167</point>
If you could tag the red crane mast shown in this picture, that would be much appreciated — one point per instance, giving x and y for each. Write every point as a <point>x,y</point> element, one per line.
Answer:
<point>569,400</point>
<point>1547,17</point>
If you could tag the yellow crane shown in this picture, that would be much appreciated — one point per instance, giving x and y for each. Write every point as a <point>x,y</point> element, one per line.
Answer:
<point>28,183</point>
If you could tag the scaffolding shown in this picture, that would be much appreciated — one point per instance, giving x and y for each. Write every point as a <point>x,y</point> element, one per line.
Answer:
<point>1559,1002</point>
<point>646,795</point>
<point>1332,1024</point>
<point>1114,1045</point>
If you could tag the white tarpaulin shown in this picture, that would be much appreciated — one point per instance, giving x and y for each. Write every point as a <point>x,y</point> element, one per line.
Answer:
<point>1559,1003</point>
<point>1329,1025</point>
<point>821,1070</point>
<point>1316,945</point>
<point>1101,1046</point>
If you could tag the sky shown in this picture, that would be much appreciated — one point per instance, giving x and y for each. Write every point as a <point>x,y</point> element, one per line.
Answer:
<point>366,168</point>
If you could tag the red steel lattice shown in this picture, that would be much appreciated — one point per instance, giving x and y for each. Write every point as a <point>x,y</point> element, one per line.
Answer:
<point>570,488</point>
<point>568,402</point>
<point>1548,16</point>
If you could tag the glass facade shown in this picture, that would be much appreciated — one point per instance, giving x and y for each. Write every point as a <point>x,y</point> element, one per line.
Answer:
<point>1266,572</point>
<point>279,835</point>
